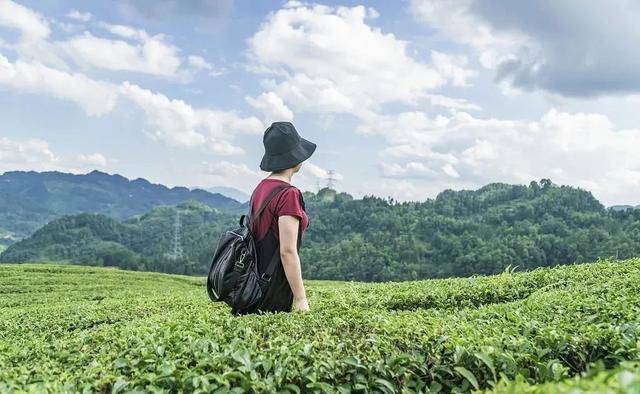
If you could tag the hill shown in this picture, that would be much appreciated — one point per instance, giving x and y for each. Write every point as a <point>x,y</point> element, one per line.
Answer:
<point>558,330</point>
<point>460,233</point>
<point>28,200</point>
<point>139,243</point>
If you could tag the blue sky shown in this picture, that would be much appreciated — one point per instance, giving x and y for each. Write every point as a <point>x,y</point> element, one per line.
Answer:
<point>404,99</point>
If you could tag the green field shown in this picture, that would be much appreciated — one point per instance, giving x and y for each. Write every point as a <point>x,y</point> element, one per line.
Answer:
<point>571,329</point>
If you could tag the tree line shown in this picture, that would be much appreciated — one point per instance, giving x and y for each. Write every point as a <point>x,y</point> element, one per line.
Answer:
<point>459,233</point>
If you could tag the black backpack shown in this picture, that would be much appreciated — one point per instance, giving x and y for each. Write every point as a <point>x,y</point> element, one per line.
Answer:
<point>234,276</point>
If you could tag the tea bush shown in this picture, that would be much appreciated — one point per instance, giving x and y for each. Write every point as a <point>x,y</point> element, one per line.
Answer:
<point>80,329</point>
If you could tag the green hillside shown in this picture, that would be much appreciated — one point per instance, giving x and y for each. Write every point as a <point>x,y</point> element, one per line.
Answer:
<point>371,239</point>
<point>140,243</point>
<point>30,199</point>
<point>70,328</point>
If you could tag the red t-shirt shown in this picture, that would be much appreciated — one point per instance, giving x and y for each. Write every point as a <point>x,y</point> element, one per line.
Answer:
<point>287,202</point>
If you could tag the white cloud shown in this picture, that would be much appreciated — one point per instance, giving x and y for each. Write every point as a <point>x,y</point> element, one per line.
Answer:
<point>95,97</point>
<point>226,170</point>
<point>230,174</point>
<point>30,23</point>
<point>93,159</point>
<point>79,16</point>
<point>543,45</point>
<point>152,55</point>
<point>452,67</point>
<point>319,172</point>
<point>69,27</point>
<point>29,154</point>
<point>456,20</point>
<point>126,31</point>
<point>199,63</point>
<point>324,72</point>
<point>35,154</point>
<point>316,95</point>
<point>134,50</point>
<point>462,151</point>
<point>409,170</point>
<point>40,69</point>
<point>453,103</point>
<point>313,177</point>
<point>173,122</point>
<point>272,106</point>
<point>450,171</point>
<point>178,124</point>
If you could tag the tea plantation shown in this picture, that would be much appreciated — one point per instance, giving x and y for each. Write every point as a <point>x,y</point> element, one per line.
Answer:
<point>571,329</point>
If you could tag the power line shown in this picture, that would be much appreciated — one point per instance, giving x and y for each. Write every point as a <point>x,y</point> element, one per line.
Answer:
<point>331,179</point>
<point>176,245</point>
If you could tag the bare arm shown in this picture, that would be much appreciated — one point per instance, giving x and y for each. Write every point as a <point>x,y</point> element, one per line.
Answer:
<point>288,233</point>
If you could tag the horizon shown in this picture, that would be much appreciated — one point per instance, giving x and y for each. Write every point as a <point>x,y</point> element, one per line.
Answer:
<point>191,188</point>
<point>421,97</point>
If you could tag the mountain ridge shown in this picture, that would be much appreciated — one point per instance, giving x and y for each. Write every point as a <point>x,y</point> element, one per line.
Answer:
<point>30,199</point>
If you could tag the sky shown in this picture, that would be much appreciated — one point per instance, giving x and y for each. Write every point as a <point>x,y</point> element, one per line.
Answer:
<point>404,98</point>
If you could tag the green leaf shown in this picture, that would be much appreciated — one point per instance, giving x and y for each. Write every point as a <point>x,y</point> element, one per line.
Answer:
<point>386,384</point>
<point>352,361</point>
<point>292,388</point>
<point>323,387</point>
<point>120,363</point>
<point>307,349</point>
<point>120,384</point>
<point>242,356</point>
<point>486,359</point>
<point>468,375</point>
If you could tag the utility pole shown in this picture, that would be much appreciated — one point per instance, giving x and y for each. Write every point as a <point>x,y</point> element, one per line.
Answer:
<point>331,180</point>
<point>177,242</point>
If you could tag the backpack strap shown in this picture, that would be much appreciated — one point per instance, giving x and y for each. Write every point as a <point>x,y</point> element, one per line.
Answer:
<point>275,260</point>
<point>249,218</point>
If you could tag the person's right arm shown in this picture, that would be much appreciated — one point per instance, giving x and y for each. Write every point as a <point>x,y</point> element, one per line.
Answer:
<point>288,234</point>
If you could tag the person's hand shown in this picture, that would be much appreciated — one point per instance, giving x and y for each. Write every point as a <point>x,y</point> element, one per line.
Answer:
<point>301,304</point>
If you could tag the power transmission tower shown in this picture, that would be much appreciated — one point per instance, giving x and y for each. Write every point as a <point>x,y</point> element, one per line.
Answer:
<point>331,179</point>
<point>177,241</point>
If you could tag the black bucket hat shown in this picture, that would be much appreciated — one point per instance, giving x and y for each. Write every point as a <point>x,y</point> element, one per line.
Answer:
<point>284,148</point>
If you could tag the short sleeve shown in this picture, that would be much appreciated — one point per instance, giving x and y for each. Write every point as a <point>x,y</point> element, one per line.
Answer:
<point>289,204</point>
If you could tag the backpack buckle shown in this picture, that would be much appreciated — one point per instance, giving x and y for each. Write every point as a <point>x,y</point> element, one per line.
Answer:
<point>240,262</point>
<point>265,277</point>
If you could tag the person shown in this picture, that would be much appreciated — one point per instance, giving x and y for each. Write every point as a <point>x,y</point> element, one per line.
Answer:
<point>279,229</point>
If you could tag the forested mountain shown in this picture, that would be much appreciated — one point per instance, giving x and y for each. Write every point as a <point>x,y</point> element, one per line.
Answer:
<point>139,243</point>
<point>460,233</point>
<point>30,199</point>
<point>466,232</point>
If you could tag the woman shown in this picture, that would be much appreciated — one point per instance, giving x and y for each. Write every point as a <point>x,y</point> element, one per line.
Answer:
<point>279,228</point>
